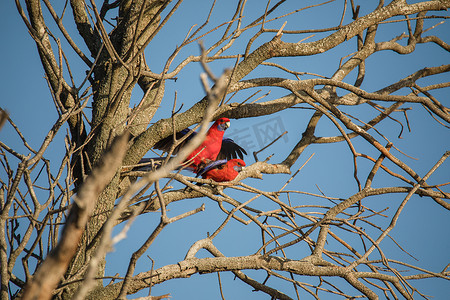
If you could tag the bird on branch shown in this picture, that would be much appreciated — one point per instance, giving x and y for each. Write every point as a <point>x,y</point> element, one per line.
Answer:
<point>214,147</point>
<point>222,170</point>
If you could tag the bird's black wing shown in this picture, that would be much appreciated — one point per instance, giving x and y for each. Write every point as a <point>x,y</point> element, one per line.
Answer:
<point>167,142</point>
<point>230,150</point>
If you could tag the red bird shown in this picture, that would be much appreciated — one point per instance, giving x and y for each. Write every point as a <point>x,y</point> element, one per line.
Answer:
<point>222,170</point>
<point>213,147</point>
<point>210,148</point>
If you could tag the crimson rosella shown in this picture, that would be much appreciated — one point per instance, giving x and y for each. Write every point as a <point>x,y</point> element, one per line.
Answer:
<point>222,170</point>
<point>213,147</point>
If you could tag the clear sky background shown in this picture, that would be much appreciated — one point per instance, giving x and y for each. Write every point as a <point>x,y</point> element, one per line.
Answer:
<point>26,97</point>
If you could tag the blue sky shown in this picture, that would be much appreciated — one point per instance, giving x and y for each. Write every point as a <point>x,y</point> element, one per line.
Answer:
<point>26,97</point>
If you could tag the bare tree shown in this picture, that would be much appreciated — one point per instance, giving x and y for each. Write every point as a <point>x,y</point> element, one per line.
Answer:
<point>57,217</point>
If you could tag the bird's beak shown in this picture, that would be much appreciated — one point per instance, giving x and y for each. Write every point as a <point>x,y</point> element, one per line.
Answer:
<point>226,125</point>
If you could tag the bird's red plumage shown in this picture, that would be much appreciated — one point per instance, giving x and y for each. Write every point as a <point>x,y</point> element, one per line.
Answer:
<point>225,172</point>
<point>210,147</point>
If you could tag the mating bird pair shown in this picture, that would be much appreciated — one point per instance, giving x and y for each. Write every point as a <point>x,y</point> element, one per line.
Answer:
<point>216,158</point>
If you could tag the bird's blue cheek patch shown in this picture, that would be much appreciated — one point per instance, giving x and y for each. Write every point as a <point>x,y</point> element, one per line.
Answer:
<point>221,127</point>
